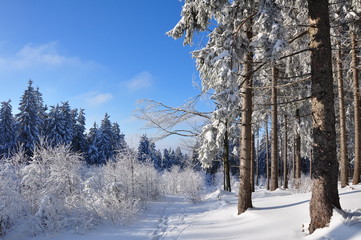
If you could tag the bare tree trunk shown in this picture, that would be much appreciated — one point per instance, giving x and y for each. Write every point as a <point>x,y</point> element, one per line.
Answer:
<point>325,165</point>
<point>343,137</point>
<point>267,157</point>
<point>298,152</point>
<point>245,193</point>
<point>227,177</point>
<point>285,169</point>
<point>356,173</point>
<point>311,157</point>
<point>294,159</point>
<point>257,159</point>
<point>252,163</point>
<point>274,148</point>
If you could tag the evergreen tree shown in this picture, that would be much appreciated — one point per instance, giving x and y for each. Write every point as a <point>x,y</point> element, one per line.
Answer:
<point>148,152</point>
<point>178,157</point>
<point>194,161</point>
<point>60,125</point>
<point>68,121</point>
<point>79,139</point>
<point>7,129</point>
<point>104,140</point>
<point>92,155</point>
<point>54,127</point>
<point>118,141</point>
<point>30,122</point>
<point>158,163</point>
<point>166,162</point>
<point>41,111</point>
<point>143,149</point>
<point>154,157</point>
<point>325,171</point>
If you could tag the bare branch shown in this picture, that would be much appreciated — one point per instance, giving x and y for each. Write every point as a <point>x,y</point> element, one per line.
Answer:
<point>168,120</point>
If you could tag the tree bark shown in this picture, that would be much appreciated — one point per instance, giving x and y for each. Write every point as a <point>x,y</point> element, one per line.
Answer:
<point>325,165</point>
<point>257,158</point>
<point>298,152</point>
<point>274,147</point>
<point>267,157</point>
<point>294,159</point>
<point>252,163</point>
<point>245,193</point>
<point>285,168</point>
<point>343,137</point>
<point>356,173</point>
<point>227,177</point>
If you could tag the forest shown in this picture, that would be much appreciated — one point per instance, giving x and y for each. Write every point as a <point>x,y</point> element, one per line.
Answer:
<point>283,77</point>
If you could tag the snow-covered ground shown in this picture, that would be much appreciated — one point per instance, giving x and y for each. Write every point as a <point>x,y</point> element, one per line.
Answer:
<point>276,215</point>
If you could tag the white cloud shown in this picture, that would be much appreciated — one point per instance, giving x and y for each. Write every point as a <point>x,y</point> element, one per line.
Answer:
<point>95,99</point>
<point>45,55</point>
<point>140,81</point>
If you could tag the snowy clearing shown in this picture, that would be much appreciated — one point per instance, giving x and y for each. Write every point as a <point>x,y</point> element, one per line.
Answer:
<point>276,215</point>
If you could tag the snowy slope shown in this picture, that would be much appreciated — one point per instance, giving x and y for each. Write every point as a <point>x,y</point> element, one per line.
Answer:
<point>276,215</point>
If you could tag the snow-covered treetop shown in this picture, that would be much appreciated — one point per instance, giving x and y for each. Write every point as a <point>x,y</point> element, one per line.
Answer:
<point>269,40</point>
<point>196,16</point>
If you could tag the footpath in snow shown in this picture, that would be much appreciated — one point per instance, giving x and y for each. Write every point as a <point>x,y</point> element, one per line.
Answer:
<point>276,215</point>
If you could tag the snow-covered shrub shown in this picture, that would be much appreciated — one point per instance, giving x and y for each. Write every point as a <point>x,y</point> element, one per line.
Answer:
<point>147,182</point>
<point>171,181</point>
<point>115,192</point>
<point>49,184</point>
<point>11,204</point>
<point>186,182</point>
<point>193,183</point>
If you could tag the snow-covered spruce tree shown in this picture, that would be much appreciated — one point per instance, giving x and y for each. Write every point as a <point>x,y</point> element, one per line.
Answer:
<point>220,66</point>
<point>29,119</point>
<point>179,157</point>
<point>68,121</point>
<point>92,154</point>
<point>166,159</point>
<point>225,67</point>
<point>42,110</point>
<point>104,140</point>
<point>118,139</point>
<point>148,153</point>
<point>60,125</point>
<point>7,130</point>
<point>79,138</point>
<point>143,149</point>
<point>54,127</point>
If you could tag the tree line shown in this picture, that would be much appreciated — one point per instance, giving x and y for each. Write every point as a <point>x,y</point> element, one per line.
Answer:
<point>61,125</point>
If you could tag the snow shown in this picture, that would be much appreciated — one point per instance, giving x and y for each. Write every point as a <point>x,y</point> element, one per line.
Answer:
<point>281,214</point>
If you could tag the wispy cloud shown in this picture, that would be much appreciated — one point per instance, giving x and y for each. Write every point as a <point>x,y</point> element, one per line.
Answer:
<point>96,99</point>
<point>142,80</point>
<point>46,55</point>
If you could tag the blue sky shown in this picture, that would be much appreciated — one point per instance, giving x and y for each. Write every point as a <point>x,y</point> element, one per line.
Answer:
<point>99,55</point>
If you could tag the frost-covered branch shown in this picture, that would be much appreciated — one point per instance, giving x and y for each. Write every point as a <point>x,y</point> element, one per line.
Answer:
<point>166,118</point>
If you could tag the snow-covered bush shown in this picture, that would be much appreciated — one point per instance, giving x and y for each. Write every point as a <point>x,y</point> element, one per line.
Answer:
<point>186,182</point>
<point>11,204</point>
<point>56,190</point>
<point>49,184</point>
<point>115,192</point>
